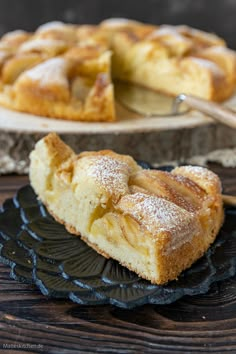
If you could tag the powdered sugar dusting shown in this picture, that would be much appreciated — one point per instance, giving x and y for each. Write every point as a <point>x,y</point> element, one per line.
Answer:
<point>220,50</point>
<point>50,26</point>
<point>14,35</point>
<point>3,55</point>
<point>197,34</point>
<point>202,176</point>
<point>117,22</point>
<point>41,45</point>
<point>168,31</point>
<point>190,185</point>
<point>209,65</point>
<point>158,215</point>
<point>112,174</point>
<point>52,71</point>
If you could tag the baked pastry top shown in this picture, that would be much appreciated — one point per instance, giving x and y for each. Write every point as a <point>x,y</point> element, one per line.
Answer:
<point>52,73</point>
<point>66,71</point>
<point>155,223</point>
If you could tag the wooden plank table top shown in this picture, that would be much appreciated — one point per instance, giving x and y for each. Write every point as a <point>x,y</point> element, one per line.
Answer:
<point>33,323</point>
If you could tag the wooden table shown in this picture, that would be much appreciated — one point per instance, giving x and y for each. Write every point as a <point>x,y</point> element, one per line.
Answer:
<point>32,323</point>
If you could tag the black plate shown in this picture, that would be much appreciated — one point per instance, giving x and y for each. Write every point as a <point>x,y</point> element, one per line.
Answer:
<point>39,250</point>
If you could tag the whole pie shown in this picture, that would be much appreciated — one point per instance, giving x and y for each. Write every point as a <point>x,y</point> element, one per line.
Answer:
<point>155,223</point>
<point>66,71</point>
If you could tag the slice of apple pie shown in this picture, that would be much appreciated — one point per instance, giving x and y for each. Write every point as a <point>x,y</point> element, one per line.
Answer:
<point>155,223</point>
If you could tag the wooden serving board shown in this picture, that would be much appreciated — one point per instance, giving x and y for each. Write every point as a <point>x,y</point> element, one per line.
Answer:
<point>127,122</point>
<point>154,139</point>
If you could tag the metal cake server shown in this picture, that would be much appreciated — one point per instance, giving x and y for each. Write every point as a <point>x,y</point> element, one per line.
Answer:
<point>145,102</point>
<point>150,103</point>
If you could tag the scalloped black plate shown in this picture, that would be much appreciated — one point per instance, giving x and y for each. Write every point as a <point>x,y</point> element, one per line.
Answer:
<point>39,250</point>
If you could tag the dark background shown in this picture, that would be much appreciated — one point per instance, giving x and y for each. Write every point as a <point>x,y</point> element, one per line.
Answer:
<point>217,16</point>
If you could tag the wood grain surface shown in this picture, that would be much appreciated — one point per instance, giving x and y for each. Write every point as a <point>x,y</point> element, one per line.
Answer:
<point>32,323</point>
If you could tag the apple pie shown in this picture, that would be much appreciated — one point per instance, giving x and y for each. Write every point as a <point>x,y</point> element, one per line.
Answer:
<point>66,71</point>
<point>155,223</point>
